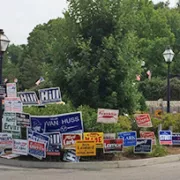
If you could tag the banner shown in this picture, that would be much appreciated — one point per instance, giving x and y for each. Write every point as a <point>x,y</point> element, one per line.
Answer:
<point>143,120</point>
<point>23,119</point>
<point>54,144</point>
<point>5,142</point>
<point>12,104</point>
<point>109,135</point>
<point>98,137</point>
<point>176,138</point>
<point>28,98</point>
<point>69,140</point>
<point>63,123</point>
<point>148,135</point>
<point>107,116</point>
<point>50,95</point>
<point>20,147</point>
<point>128,137</point>
<point>36,149</point>
<point>85,148</point>
<point>165,137</point>
<point>143,146</point>
<point>9,124</point>
<point>113,145</point>
<point>11,90</point>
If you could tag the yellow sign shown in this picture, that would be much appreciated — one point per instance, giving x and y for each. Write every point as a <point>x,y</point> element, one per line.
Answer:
<point>98,137</point>
<point>85,148</point>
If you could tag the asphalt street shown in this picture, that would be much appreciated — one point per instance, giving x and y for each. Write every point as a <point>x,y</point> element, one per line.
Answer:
<point>169,171</point>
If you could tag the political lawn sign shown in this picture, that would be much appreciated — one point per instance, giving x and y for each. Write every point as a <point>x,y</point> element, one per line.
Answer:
<point>148,135</point>
<point>109,135</point>
<point>50,95</point>
<point>28,98</point>
<point>98,137</point>
<point>143,120</point>
<point>165,137</point>
<point>69,140</point>
<point>176,138</point>
<point>128,137</point>
<point>23,119</point>
<point>63,123</point>
<point>11,90</point>
<point>143,146</point>
<point>85,148</point>
<point>12,104</point>
<point>113,145</point>
<point>20,147</point>
<point>5,142</point>
<point>107,116</point>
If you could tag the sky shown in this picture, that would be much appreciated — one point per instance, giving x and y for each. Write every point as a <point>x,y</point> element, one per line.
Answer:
<point>19,17</point>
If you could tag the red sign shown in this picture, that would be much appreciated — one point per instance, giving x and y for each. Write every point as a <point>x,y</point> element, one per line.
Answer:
<point>113,145</point>
<point>148,135</point>
<point>69,140</point>
<point>143,120</point>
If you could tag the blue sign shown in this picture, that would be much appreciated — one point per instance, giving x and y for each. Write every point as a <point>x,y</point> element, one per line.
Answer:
<point>165,137</point>
<point>176,138</point>
<point>50,95</point>
<point>143,145</point>
<point>63,123</point>
<point>129,138</point>
<point>28,98</point>
<point>29,132</point>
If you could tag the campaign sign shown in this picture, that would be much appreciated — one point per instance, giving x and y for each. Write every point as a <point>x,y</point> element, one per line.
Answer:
<point>176,138</point>
<point>20,147</point>
<point>22,119</point>
<point>50,95</point>
<point>29,132</point>
<point>11,90</point>
<point>54,144</point>
<point>28,98</point>
<point>148,135</point>
<point>63,123</point>
<point>107,116</point>
<point>69,140</point>
<point>70,156</point>
<point>143,146</point>
<point>12,104</point>
<point>109,135</point>
<point>113,145</point>
<point>5,142</point>
<point>165,137</point>
<point>128,137</point>
<point>143,120</point>
<point>36,149</point>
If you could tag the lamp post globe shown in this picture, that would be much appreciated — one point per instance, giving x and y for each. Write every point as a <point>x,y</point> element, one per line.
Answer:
<point>168,57</point>
<point>4,42</point>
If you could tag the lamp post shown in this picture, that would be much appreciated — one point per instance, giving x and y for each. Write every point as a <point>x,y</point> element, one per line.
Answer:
<point>168,56</point>
<point>4,42</point>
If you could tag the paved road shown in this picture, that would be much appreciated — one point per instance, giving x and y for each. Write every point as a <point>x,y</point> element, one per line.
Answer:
<point>170,171</point>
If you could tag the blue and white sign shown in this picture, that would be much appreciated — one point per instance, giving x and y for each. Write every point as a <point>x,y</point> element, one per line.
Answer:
<point>176,138</point>
<point>29,132</point>
<point>143,146</point>
<point>28,98</point>
<point>129,138</point>
<point>50,95</point>
<point>63,123</point>
<point>165,137</point>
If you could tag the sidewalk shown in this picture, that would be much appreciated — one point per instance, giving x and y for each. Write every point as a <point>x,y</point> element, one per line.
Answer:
<point>90,165</point>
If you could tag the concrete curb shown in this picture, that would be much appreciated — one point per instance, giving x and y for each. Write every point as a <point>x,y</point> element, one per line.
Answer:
<point>90,165</point>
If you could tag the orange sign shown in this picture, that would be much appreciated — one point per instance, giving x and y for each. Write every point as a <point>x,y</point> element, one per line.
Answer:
<point>98,137</point>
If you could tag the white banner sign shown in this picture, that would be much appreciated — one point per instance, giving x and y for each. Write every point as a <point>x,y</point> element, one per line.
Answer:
<point>12,104</point>
<point>11,90</point>
<point>107,116</point>
<point>20,147</point>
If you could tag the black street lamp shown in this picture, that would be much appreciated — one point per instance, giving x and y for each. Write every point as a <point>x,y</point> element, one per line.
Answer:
<point>168,56</point>
<point>4,42</point>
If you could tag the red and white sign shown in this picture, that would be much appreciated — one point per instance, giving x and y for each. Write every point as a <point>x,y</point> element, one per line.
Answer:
<point>107,116</point>
<point>20,147</point>
<point>11,90</point>
<point>148,135</point>
<point>13,104</point>
<point>143,120</point>
<point>69,140</point>
<point>113,145</point>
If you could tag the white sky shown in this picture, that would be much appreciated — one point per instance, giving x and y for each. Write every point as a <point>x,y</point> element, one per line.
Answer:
<point>19,17</point>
